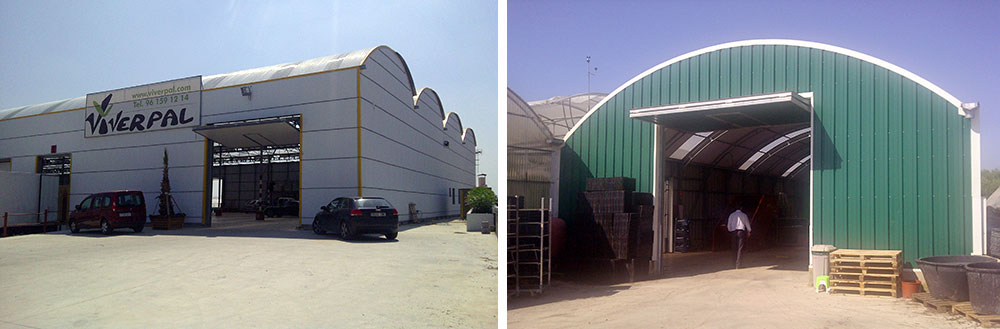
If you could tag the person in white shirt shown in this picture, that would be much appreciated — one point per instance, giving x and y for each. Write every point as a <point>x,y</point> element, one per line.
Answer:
<point>739,229</point>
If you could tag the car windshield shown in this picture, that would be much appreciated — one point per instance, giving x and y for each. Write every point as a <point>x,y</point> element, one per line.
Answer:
<point>128,200</point>
<point>373,203</point>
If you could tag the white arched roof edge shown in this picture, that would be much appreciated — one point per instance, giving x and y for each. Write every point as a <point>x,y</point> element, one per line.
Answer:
<point>468,133</point>
<point>402,61</point>
<point>444,124</point>
<point>526,107</point>
<point>416,100</point>
<point>778,42</point>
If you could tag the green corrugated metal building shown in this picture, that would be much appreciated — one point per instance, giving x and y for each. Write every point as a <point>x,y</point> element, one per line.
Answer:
<point>878,157</point>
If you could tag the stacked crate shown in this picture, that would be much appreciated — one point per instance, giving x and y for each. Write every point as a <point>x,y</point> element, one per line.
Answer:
<point>866,272</point>
<point>618,221</point>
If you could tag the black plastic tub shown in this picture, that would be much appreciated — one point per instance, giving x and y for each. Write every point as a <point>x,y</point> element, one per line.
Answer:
<point>984,287</point>
<point>946,276</point>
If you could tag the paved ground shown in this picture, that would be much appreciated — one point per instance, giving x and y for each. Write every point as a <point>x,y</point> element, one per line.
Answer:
<point>702,291</point>
<point>241,273</point>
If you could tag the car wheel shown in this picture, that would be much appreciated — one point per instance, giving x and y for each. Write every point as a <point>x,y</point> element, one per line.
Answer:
<point>138,228</point>
<point>317,229</point>
<point>391,235</point>
<point>106,227</point>
<point>73,228</point>
<point>345,231</point>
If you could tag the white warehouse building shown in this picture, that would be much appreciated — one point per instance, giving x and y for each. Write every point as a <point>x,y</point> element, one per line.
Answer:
<point>344,125</point>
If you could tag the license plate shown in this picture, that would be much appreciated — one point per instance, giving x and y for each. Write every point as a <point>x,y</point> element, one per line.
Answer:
<point>125,214</point>
<point>378,214</point>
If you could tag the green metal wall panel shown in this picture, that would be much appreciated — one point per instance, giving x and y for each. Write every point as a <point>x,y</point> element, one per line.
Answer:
<point>879,150</point>
<point>894,100</point>
<point>890,164</point>
<point>866,157</point>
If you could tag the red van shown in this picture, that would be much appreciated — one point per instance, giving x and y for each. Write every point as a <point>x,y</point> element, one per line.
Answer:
<point>110,210</point>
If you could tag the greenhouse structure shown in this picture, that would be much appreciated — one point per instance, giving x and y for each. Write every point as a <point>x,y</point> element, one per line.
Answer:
<point>849,150</point>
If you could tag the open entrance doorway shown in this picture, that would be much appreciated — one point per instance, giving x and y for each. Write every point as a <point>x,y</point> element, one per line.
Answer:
<point>712,156</point>
<point>60,165</point>
<point>255,178</point>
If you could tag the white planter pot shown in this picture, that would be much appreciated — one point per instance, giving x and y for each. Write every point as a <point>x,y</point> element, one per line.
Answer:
<point>473,221</point>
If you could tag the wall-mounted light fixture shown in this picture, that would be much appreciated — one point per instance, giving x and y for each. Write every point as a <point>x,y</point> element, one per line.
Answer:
<point>245,90</point>
<point>969,109</point>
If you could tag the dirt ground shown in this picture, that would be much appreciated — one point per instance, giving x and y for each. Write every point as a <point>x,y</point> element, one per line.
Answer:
<point>245,274</point>
<point>702,291</point>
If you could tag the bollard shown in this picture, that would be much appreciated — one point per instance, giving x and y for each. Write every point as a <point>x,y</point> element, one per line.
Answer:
<point>45,220</point>
<point>5,224</point>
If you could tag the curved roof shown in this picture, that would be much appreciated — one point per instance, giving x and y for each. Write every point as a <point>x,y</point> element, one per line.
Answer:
<point>524,127</point>
<point>444,124</point>
<point>469,133</point>
<point>76,103</point>
<point>537,124</point>
<point>559,114</point>
<point>775,151</point>
<point>310,66</point>
<point>436,98</point>
<point>799,43</point>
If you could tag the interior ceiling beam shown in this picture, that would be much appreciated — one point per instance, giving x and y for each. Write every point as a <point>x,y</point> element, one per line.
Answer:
<point>777,149</point>
<point>777,134</point>
<point>800,169</point>
<point>778,166</point>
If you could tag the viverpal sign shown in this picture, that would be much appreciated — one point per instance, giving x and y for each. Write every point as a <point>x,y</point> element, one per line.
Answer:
<point>158,106</point>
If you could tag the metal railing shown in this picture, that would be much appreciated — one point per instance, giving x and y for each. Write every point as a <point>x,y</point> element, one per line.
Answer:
<point>44,220</point>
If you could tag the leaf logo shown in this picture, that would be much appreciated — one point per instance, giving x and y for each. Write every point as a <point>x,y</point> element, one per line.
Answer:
<point>104,107</point>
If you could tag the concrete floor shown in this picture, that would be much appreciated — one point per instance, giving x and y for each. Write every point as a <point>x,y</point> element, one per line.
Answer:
<point>245,273</point>
<point>702,290</point>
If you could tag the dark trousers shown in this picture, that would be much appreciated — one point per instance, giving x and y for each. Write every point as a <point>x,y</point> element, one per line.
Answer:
<point>738,239</point>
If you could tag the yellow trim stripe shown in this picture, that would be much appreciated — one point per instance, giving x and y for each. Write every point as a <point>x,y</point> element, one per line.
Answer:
<point>40,114</point>
<point>359,132</point>
<point>283,78</point>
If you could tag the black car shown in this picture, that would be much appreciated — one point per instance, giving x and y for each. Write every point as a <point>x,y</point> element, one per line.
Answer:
<point>282,207</point>
<point>352,216</point>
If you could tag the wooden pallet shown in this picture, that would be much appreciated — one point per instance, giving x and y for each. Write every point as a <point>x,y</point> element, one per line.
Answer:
<point>937,304</point>
<point>869,292</point>
<point>888,285</point>
<point>876,263</point>
<point>987,321</point>
<point>835,269</point>
<point>861,254</point>
<point>886,277</point>
<point>866,272</point>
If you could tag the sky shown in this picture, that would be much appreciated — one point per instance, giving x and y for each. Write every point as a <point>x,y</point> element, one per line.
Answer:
<point>54,50</point>
<point>953,44</point>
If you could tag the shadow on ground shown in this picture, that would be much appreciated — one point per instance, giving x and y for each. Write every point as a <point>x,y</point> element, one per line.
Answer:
<point>245,225</point>
<point>676,265</point>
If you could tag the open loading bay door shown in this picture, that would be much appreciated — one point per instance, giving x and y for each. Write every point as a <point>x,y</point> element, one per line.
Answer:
<point>753,151</point>
<point>255,168</point>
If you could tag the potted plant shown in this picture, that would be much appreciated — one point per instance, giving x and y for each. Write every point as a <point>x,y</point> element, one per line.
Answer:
<point>481,200</point>
<point>166,218</point>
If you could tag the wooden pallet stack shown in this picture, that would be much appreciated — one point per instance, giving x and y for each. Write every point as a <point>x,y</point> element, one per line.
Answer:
<point>866,272</point>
